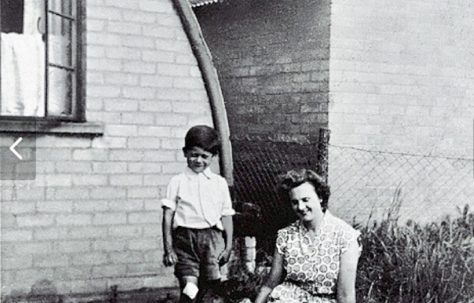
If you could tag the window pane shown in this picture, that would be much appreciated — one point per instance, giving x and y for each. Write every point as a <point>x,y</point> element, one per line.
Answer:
<point>60,91</point>
<point>38,58</point>
<point>22,59</point>
<point>11,16</point>
<point>61,6</point>
<point>60,40</point>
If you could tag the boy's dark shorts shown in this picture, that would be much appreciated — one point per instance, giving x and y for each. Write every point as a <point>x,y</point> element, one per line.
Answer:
<point>198,251</point>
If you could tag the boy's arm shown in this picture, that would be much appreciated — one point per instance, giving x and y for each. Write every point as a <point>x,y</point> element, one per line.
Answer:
<point>228,231</point>
<point>168,204</point>
<point>169,257</point>
<point>226,219</point>
<point>228,236</point>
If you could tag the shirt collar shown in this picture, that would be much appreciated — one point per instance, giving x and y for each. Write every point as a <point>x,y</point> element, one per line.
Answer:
<point>206,173</point>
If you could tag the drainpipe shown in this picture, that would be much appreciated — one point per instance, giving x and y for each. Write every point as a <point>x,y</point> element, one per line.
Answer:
<point>211,82</point>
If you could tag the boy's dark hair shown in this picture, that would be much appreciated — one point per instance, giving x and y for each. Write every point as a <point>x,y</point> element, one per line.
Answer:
<point>204,137</point>
<point>296,177</point>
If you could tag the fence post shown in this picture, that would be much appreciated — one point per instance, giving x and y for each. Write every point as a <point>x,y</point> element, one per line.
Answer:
<point>323,150</point>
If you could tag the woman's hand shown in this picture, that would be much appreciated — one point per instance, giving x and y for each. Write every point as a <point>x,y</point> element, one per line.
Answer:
<point>273,279</point>
<point>170,258</point>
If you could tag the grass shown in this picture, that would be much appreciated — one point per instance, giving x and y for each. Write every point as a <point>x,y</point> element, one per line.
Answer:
<point>401,263</point>
<point>413,263</point>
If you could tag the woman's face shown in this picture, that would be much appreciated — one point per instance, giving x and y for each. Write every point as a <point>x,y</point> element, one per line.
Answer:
<point>305,202</point>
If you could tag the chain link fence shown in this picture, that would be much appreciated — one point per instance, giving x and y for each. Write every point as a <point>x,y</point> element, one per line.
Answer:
<point>258,163</point>
<point>363,182</point>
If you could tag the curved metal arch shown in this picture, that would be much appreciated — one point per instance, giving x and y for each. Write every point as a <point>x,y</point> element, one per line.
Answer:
<point>211,82</point>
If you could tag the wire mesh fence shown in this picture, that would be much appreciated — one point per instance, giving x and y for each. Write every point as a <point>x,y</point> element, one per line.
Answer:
<point>363,182</point>
<point>258,163</point>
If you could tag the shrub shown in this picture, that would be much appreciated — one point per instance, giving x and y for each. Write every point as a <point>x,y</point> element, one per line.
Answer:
<point>241,286</point>
<point>417,263</point>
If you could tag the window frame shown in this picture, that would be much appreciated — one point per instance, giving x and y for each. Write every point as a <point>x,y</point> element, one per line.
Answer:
<point>78,102</point>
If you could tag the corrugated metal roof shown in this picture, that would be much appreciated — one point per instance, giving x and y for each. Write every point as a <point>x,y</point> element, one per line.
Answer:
<point>195,3</point>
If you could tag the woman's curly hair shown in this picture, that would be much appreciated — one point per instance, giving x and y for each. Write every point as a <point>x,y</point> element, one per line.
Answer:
<point>296,177</point>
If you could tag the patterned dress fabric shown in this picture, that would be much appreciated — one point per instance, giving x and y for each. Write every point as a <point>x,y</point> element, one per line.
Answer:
<point>312,261</point>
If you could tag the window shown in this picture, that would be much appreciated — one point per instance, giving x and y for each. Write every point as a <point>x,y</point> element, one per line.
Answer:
<point>41,71</point>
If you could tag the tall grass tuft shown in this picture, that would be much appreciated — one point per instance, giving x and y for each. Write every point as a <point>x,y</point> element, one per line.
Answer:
<point>413,263</point>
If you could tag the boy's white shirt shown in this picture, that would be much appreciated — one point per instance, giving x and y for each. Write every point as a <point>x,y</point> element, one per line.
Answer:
<point>199,200</point>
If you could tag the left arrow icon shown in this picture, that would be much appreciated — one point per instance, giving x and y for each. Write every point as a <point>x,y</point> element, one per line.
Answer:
<point>12,148</point>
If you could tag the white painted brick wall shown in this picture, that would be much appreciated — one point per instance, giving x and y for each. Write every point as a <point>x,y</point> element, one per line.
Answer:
<point>401,80</point>
<point>393,61</point>
<point>93,213</point>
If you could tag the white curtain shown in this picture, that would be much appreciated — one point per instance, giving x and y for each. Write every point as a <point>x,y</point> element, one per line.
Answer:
<point>22,74</point>
<point>23,65</point>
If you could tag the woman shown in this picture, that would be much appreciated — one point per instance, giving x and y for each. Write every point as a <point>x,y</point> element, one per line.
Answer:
<point>315,259</point>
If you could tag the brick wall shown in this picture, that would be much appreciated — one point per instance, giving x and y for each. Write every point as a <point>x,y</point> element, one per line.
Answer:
<point>92,217</point>
<point>401,80</point>
<point>272,60</point>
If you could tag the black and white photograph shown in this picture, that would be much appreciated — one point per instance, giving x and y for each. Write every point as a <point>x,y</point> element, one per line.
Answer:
<point>237,151</point>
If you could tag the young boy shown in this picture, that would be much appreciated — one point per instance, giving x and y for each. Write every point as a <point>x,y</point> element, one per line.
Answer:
<point>197,213</point>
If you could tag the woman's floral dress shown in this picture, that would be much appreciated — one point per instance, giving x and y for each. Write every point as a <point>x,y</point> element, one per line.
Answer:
<point>312,261</point>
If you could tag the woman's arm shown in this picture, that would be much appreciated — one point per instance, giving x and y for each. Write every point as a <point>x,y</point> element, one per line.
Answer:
<point>274,278</point>
<point>347,274</point>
